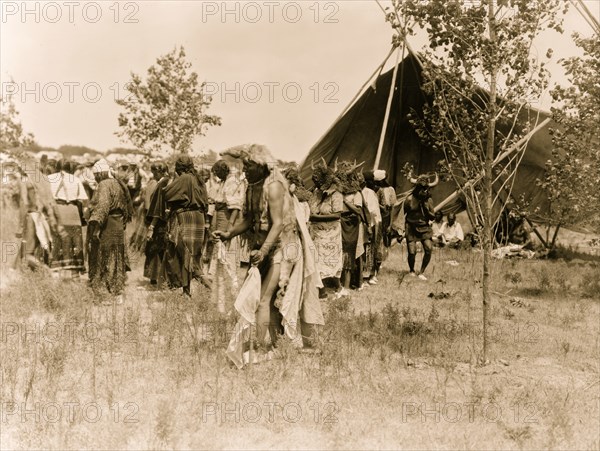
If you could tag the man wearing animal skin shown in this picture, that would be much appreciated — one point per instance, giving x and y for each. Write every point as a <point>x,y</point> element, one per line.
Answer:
<point>418,211</point>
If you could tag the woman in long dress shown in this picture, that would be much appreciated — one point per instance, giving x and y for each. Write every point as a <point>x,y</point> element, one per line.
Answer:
<point>110,210</point>
<point>186,200</point>
<point>229,199</point>
<point>156,220</point>
<point>71,198</point>
<point>326,207</point>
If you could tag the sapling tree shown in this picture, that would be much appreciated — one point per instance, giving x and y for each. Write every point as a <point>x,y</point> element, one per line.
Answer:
<point>480,76</point>
<point>164,113</point>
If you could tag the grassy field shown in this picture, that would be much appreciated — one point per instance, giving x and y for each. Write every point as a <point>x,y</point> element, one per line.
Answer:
<point>397,369</point>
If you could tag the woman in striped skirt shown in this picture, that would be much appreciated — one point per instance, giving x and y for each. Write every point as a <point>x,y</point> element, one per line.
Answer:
<point>186,200</point>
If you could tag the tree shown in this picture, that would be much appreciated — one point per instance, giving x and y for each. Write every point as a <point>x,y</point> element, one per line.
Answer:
<point>481,75</point>
<point>12,135</point>
<point>572,177</point>
<point>167,111</point>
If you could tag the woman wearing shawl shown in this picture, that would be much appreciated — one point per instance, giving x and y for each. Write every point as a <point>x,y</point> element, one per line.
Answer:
<point>281,252</point>
<point>156,220</point>
<point>110,211</point>
<point>70,197</point>
<point>186,200</point>
<point>228,196</point>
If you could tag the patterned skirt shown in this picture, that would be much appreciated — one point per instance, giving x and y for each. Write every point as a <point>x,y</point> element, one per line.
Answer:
<point>107,260</point>
<point>327,237</point>
<point>185,237</point>
<point>67,251</point>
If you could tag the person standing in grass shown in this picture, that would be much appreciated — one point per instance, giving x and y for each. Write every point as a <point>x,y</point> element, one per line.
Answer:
<point>71,198</point>
<point>228,196</point>
<point>156,219</point>
<point>38,219</point>
<point>187,202</point>
<point>326,207</point>
<point>110,210</point>
<point>281,251</point>
<point>418,210</point>
<point>374,249</point>
<point>352,220</point>
<point>386,195</point>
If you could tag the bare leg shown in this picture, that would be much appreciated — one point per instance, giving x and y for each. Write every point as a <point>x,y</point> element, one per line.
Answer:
<point>346,273</point>
<point>412,255</point>
<point>427,249</point>
<point>265,316</point>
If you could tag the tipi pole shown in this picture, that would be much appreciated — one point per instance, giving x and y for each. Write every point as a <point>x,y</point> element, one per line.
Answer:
<point>388,108</point>
<point>352,101</point>
<point>498,159</point>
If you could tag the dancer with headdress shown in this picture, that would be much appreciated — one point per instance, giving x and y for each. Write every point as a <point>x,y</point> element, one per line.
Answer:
<point>326,207</point>
<point>418,210</point>
<point>352,222</point>
<point>282,262</point>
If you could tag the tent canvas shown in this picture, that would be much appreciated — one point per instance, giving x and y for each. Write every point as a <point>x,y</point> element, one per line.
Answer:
<point>356,136</point>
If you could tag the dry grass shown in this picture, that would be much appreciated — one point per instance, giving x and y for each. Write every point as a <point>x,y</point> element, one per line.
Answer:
<point>397,369</point>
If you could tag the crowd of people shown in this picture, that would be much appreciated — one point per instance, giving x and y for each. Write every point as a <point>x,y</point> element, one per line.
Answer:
<point>299,245</point>
<point>204,223</point>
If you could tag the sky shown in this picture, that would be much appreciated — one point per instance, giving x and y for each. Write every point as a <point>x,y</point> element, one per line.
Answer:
<point>280,71</point>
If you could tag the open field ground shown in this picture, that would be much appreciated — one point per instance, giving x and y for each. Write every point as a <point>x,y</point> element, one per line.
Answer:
<point>397,369</point>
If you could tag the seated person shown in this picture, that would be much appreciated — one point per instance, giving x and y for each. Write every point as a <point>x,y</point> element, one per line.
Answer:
<point>452,233</point>
<point>436,225</point>
<point>521,235</point>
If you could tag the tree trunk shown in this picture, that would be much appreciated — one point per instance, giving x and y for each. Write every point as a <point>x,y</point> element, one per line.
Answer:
<point>487,191</point>
<point>555,236</point>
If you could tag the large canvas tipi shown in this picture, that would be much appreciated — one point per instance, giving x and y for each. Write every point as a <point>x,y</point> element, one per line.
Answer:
<point>357,135</point>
